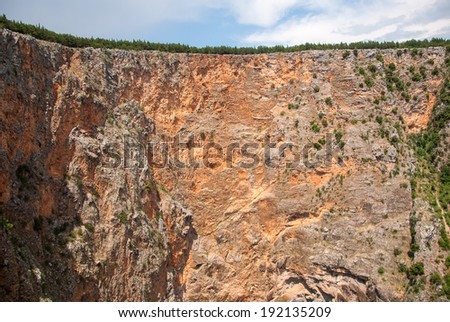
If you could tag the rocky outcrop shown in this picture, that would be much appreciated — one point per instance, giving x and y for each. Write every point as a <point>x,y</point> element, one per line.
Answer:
<point>286,177</point>
<point>87,223</point>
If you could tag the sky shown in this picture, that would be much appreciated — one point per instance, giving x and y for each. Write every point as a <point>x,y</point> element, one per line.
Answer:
<point>238,22</point>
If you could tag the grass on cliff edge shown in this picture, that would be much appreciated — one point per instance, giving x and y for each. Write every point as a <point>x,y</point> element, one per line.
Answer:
<point>42,33</point>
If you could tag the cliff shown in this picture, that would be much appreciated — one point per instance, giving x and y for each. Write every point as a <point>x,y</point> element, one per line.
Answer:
<point>287,176</point>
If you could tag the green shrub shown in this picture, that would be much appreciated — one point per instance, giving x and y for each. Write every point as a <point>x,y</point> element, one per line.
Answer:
<point>414,248</point>
<point>338,136</point>
<point>317,145</point>
<point>446,286</point>
<point>416,77</point>
<point>402,268</point>
<point>316,89</point>
<point>372,68</point>
<point>148,186</point>
<point>315,127</point>
<point>381,270</point>
<point>71,237</point>
<point>435,279</point>
<point>6,224</point>
<point>380,58</point>
<point>122,216</point>
<point>406,96</point>
<point>368,81</point>
<point>158,215</point>
<point>416,269</point>
<point>328,101</point>
<point>399,85</point>
<point>447,262</point>
<point>345,54</point>
<point>423,71</point>
<point>89,227</point>
<point>435,71</point>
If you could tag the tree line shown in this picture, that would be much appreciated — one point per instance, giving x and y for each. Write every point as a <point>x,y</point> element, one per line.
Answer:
<point>42,33</point>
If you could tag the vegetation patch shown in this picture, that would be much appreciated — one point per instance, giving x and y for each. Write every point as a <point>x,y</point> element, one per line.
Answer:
<point>122,217</point>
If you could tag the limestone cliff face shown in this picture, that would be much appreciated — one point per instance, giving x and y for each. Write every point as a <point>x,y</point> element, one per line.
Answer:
<point>307,198</point>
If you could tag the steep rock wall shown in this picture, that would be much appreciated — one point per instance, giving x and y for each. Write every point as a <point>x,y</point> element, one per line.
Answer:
<point>308,196</point>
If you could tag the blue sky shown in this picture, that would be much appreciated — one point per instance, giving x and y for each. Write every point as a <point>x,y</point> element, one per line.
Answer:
<point>239,22</point>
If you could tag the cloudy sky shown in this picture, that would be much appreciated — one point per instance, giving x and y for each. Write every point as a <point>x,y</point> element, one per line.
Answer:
<point>239,22</point>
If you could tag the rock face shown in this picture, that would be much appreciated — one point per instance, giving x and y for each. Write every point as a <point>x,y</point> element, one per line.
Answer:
<point>286,177</point>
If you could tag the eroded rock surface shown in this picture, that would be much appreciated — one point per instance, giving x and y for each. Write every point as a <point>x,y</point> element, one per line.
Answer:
<point>88,213</point>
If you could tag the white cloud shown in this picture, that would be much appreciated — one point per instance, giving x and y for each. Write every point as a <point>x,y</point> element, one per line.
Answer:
<point>266,13</point>
<point>429,29</point>
<point>263,13</point>
<point>358,21</point>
